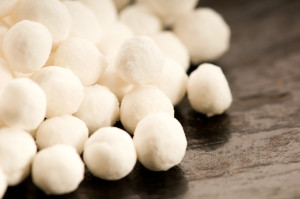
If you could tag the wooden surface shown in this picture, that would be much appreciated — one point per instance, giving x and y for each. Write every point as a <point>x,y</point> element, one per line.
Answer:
<point>252,151</point>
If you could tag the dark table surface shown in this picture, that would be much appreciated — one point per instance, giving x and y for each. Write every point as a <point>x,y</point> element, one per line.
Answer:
<point>252,151</point>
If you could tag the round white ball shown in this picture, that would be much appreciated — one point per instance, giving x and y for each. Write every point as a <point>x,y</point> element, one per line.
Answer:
<point>99,108</point>
<point>140,102</point>
<point>66,129</point>
<point>52,14</point>
<point>3,183</point>
<point>208,90</point>
<point>160,142</point>
<point>115,83</point>
<point>110,154</point>
<point>22,104</point>
<point>175,85</point>
<point>112,39</point>
<point>140,20</point>
<point>57,169</point>
<point>27,46</point>
<point>63,89</point>
<point>173,48</point>
<point>205,34</point>
<point>139,60</point>
<point>83,58</point>
<point>169,10</point>
<point>6,7</point>
<point>84,23</point>
<point>5,73</point>
<point>105,11</point>
<point>17,150</point>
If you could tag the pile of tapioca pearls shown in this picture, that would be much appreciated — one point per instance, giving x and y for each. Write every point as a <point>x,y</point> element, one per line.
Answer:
<point>70,69</point>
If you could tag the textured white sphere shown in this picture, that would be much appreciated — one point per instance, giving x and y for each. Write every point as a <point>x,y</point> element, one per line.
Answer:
<point>112,39</point>
<point>22,104</point>
<point>140,102</point>
<point>99,108</point>
<point>140,20</point>
<point>208,90</point>
<point>169,10</point>
<point>5,73</point>
<point>52,14</point>
<point>6,7</point>
<point>83,58</point>
<point>139,60</point>
<point>159,141</point>
<point>173,81</point>
<point>3,183</point>
<point>110,154</point>
<point>105,11</point>
<point>205,34</point>
<point>63,89</point>
<point>57,169</point>
<point>17,150</point>
<point>115,83</point>
<point>173,48</point>
<point>27,46</point>
<point>66,129</point>
<point>84,23</point>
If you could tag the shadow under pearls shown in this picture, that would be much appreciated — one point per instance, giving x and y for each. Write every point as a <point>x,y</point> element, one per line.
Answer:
<point>91,188</point>
<point>103,188</point>
<point>140,183</point>
<point>204,133</point>
<point>150,184</point>
<point>29,191</point>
